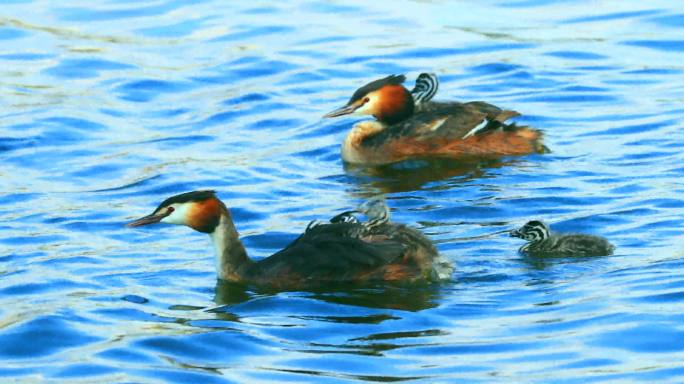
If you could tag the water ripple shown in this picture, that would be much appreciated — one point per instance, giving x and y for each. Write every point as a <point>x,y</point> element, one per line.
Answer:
<point>113,107</point>
<point>660,45</point>
<point>48,335</point>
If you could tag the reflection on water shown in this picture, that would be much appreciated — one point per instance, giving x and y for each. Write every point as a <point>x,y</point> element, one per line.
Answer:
<point>227,293</point>
<point>406,298</point>
<point>409,297</point>
<point>423,174</point>
<point>110,107</point>
<point>548,262</point>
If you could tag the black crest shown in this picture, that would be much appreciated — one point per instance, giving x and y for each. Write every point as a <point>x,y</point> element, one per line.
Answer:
<point>375,85</point>
<point>187,197</point>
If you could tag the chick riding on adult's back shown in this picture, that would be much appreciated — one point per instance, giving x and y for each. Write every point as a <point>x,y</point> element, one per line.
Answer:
<point>410,125</point>
<point>344,250</point>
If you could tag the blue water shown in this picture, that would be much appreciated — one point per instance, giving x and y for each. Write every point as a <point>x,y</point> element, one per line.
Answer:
<point>110,107</point>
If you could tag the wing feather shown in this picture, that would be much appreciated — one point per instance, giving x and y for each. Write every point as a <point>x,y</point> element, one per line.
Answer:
<point>334,250</point>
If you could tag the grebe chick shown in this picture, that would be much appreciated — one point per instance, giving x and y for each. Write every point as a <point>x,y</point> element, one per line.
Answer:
<point>541,242</point>
<point>410,125</point>
<point>424,90</point>
<point>324,253</point>
<point>377,212</point>
<point>344,217</point>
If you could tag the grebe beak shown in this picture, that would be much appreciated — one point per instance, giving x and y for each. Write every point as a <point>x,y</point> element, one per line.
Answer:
<point>347,109</point>
<point>149,219</point>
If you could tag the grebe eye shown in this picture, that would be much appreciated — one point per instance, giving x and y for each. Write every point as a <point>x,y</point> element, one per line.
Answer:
<point>170,210</point>
<point>366,99</point>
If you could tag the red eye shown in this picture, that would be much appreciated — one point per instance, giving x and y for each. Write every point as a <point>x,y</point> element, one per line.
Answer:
<point>366,99</point>
<point>169,210</point>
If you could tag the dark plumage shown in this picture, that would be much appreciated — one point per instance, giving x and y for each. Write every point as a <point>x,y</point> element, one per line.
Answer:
<point>541,242</point>
<point>380,243</point>
<point>447,121</point>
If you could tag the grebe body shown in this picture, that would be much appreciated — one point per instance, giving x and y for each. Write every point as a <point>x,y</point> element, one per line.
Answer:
<point>410,125</point>
<point>345,250</point>
<point>542,242</point>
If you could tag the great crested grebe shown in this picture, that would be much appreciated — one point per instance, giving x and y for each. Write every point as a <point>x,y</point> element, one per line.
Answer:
<point>541,242</point>
<point>409,125</point>
<point>342,251</point>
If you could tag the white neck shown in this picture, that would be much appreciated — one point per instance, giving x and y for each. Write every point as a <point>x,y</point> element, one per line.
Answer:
<point>351,147</point>
<point>231,257</point>
<point>219,239</point>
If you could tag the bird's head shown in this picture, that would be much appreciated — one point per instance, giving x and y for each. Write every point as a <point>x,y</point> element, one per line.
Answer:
<point>386,99</point>
<point>199,210</point>
<point>376,210</point>
<point>532,231</point>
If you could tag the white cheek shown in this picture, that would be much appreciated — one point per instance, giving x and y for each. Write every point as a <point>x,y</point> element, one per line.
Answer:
<point>179,215</point>
<point>367,109</point>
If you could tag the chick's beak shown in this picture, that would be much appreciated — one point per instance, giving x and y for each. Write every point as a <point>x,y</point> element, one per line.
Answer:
<point>346,110</point>
<point>515,233</point>
<point>146,220</point>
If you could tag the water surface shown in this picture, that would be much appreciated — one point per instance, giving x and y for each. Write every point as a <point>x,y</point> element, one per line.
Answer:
<point>110,107</point>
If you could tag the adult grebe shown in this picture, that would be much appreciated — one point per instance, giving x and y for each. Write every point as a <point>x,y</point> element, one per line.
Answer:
<point>409,125</point>
<point>342,251</point>
<point>541,242</point>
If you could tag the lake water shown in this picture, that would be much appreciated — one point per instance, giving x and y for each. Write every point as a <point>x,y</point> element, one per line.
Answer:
<point>110,107</point>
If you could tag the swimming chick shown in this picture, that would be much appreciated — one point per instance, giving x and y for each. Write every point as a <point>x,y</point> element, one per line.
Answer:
<point>340,251</point>
<point>541,242</point>
<point>410,125</point>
